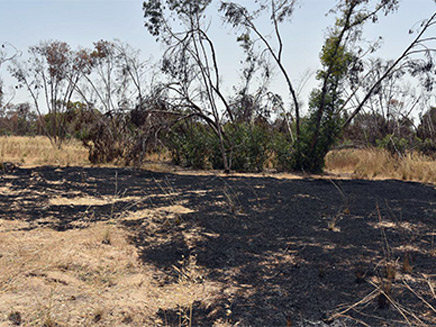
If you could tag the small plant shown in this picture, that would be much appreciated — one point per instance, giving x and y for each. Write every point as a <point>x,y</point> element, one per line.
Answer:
<point>15,318</point>
<point>390,271</point>
<point>97,316</point>
<point>344,210</point>
<point>229,200</point>
<point>106,237</point>
<point>331,224</point>
<point>83,176</point>
<point>188,272</point>
<point>360,273</point>
<point>385,294</point>
<point>407,267</point>
<point>232,199</point>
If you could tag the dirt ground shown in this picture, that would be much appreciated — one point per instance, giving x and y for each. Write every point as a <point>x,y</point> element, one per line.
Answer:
<point>124,247</point>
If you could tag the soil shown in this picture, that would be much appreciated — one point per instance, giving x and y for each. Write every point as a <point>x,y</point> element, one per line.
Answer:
<point>302,252</point>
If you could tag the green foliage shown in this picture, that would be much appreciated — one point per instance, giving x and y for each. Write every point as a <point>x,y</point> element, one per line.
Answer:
<point>309,153</point>
<point>394,144</point>
<point>427,146</point>
<point>155,12</point>
<point>336,58</point>
<point>248,146</point>
<point>322,128</point>
<point>18,120</point>
<point>282,150</point>
<point>189,143</point>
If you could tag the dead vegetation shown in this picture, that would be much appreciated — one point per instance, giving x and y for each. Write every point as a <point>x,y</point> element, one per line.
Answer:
<point>380,164</point>
<point>38,150</point>
<point>84,246</point>
<point>90,276</point>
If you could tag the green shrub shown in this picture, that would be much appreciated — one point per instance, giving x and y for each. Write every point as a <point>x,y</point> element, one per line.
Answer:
<point>188,143</point>
<point>195,145</point>
<point>394,144</point>
<point>249,146</point>
<point>281,147</point>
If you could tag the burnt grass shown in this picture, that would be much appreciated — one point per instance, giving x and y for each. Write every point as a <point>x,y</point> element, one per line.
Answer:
<point>270,239</point>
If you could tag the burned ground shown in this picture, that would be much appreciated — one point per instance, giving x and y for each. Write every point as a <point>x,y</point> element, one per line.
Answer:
<point>284,252</point>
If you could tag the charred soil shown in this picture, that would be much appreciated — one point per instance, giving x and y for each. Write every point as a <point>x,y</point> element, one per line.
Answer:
<point>303,252</point>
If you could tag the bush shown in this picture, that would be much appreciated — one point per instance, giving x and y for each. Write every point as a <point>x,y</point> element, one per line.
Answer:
<point>282,150</point>
<point>248,146</point>
<point>188,143</point>
<point>315,142</point>
<point>427,147</point>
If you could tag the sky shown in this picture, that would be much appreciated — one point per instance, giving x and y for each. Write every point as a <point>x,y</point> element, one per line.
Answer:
<point>24,23</point>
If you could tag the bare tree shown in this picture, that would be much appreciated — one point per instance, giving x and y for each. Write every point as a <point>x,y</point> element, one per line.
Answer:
<point>115,76</point>
<point>417,59</point>
<point>117,84</point>
<point>50,75</point>
<point>190,63</point>
<point>279,11</point>
<point>7,53</point>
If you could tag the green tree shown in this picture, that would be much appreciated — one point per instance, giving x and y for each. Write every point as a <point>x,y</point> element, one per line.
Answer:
<point>345,82</point>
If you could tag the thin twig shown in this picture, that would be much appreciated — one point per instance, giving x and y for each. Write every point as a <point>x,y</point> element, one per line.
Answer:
<point>366,299</point>
<point>419,297</point>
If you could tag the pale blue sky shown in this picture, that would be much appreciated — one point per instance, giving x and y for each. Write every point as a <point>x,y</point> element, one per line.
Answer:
<point>81,22</point>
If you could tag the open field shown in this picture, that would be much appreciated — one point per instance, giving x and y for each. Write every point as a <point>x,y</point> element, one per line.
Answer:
<point>38,150</point>
<point>120,247</point>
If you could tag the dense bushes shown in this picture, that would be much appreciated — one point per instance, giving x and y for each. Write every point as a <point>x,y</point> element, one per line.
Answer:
<point>250,147</point>
<point>190,145</point>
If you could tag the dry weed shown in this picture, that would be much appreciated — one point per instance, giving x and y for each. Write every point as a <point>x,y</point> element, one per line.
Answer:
<point>38,150</point>
<point>378,163</point>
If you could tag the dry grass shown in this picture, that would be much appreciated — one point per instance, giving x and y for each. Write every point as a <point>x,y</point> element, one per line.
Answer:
<point>85,277</point>
<point>38,150</point>
<point>91,275</point>
<point>380,164</point>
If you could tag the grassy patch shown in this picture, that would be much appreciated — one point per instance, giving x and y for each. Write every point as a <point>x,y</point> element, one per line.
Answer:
<point>38,150</point>
<point>378,163</point>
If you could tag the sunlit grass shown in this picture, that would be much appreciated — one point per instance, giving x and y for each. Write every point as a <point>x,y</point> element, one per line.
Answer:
<point>379,163</point>
<point>39,151</point>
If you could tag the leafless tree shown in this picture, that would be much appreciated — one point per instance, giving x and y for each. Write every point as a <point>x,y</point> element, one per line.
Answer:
<point>417,59</point>
<point>7,53</point>
<point>50,76</point>
<point>190,63</point>
<point>279,11</point>
<point>117,82</point>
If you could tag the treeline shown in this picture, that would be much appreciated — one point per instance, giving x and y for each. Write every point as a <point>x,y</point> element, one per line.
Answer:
<point>255,144</point>
<point>123,108</point>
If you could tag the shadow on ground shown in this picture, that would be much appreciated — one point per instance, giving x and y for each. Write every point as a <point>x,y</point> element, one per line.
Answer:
<point>290,252</point>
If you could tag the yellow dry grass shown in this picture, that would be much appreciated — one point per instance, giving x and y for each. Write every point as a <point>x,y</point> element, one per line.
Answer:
<point>32,151</point>
<point>91,201</point>
<point>74,278</point>
<point>380,164</point>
